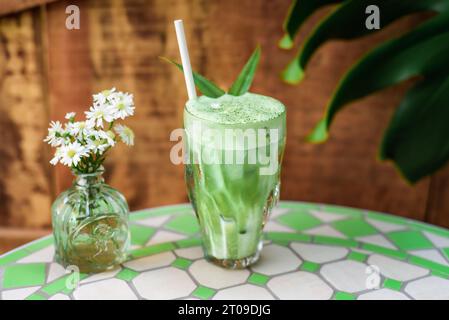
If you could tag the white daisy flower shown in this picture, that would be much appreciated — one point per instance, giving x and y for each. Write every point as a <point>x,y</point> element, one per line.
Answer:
<point>103,96</point>
<point>100,140</point>
<point>108,136</point>
<point>122,105</point>
<point>70,115</point>
<point>80,143</point>
<point>99,112</point>
<point>98,146</point>
<point>57,157</point>
<point>55,134</point>
<point>72,153</point>
<point>125,133</point>
<point>80,128</point>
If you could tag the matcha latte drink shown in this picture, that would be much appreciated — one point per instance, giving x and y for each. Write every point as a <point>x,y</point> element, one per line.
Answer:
<point>234,150</point>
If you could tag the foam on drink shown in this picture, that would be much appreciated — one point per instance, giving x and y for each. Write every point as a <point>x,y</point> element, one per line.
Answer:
<point>228,109</point>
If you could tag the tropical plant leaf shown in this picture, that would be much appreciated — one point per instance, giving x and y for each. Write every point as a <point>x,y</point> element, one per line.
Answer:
<point>417,138</point>
<point>336,26</point>
<point>207,87</point>
<point>298,13</point>
<point>246,76</point>
<point>423,51</point>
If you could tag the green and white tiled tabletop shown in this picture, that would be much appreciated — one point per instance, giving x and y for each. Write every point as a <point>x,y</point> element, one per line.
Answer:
<point>311,252</point>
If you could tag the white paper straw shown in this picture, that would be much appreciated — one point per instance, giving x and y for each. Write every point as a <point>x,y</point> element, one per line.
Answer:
<point>182,43</point>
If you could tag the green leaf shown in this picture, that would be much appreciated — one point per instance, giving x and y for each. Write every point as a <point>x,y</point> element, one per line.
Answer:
<point>286,42</point>
<point>207,87</point>
<point>246,76</point>
<point>319,133</point>
<point>293,73</point>
<point>298,13</point>
<point>417,138</point>
<point>423,51</point>
<point>336,26</point>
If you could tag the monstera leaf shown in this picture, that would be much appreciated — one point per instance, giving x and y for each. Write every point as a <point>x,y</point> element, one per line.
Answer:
<point>417,139</point>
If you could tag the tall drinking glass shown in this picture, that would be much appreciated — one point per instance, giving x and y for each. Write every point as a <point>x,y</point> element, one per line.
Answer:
<point>234,147</point>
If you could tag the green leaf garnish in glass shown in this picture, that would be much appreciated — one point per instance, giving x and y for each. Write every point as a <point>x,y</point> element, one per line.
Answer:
<point>240,86</point>
<point>207,87</point>
<point>246,76</point>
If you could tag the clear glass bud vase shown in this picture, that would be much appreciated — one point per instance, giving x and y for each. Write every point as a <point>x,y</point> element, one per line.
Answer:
<point>90,224</point>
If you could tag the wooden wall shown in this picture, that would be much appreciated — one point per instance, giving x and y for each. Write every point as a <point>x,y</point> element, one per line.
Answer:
<point>47,70</point>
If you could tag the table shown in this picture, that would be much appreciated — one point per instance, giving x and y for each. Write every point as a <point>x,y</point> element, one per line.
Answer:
<point>311,251</point>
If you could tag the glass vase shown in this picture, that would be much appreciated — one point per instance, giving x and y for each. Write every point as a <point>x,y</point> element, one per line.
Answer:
<point>90,224</point>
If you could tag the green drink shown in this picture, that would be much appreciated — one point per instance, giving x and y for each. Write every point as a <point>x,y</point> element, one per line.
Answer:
<point>234,147</point>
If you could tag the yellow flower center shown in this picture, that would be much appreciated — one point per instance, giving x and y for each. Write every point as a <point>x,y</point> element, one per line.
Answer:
<point>99,113</point>
<point>71,153</point>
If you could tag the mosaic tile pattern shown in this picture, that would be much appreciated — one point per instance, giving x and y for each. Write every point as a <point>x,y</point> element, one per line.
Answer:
<point>311,252</point>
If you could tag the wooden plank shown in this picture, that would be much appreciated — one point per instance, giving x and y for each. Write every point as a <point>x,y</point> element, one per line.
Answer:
<point>438,201</point>
<point>108,51</point>
<point>25,179</point>
<point>13,6</point>
<point>70,72</point>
